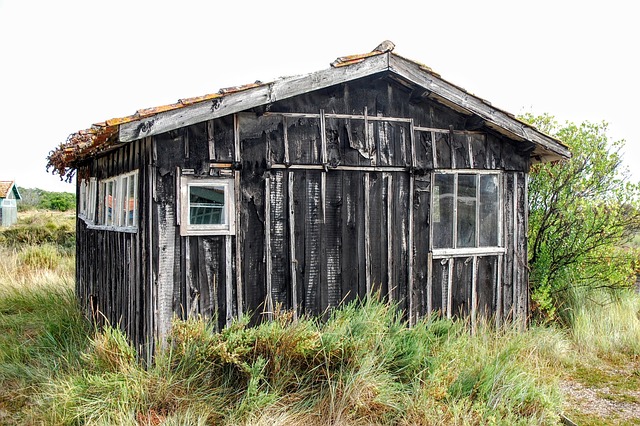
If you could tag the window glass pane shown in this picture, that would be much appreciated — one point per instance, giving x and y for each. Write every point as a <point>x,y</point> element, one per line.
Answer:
<point>442,211</point>
<point>466,211</point>
<point>101,203</point>
<point>83,198</point>
<point>110,202</point>
<point>131,201</point>
<point>206,205</point>
<point>91,206</point>
<point>122,202</point>
<point>489,210</point>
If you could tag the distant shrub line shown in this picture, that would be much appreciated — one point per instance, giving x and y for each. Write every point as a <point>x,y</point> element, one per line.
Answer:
<point>36,198</point>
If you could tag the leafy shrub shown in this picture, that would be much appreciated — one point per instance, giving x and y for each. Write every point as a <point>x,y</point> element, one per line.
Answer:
<point>582,212</point>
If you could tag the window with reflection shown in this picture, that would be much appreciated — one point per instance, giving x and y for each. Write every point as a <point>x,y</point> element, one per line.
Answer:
<point>207,206</point>
<point>465,210</point>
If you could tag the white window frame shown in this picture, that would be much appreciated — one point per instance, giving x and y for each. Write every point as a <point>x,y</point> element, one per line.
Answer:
<point>82,202</point>
<point>186,228</point>
<point>88,198</point>
<point>478,250</point>
<point>118,188</point>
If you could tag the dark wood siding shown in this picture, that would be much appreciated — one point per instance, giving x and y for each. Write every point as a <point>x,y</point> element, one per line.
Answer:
<point>114,269</point>
<point>333,198</point>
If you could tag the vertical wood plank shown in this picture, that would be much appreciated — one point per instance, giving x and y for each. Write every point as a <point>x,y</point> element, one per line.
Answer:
<point>429,283</point>
<point>188,278</point>
<point>524,253</point>
<point>498,292</point>
<point>434,150</point>
<point>236,138</point>
<point>323,138</point>
<point>452,145</point>
<point>332,240</point>
<point>450,288</point>
<point>211,140</point>
<point>390,203</point>
<point>474,294</point>
<point>410,253</point>
<point>403,147</point>
<point>238,239</point>
<point>267,244</point>
<point>367,232</point>
<point>515,285</point>
<point>229,281</point>
<point>165,271</point>
<point>412,141</point>
<point>280,255</point>
<point>285,131</point>
<point>185,138</point>
<point>151,331</point>
<point>292,246</point>
<point>477,213</point>
<point>323,195</point>
<point>313,238</point>
<point>352,254</point>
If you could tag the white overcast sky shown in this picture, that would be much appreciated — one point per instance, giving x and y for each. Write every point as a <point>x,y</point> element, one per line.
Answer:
<point>67,64</point>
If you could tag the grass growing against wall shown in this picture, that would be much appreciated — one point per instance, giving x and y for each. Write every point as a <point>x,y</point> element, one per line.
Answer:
<point>362,366</point>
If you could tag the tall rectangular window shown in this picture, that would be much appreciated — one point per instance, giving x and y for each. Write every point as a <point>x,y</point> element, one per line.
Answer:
<point>87,201</point>
<point>207,206</point>
<point>465,211</point>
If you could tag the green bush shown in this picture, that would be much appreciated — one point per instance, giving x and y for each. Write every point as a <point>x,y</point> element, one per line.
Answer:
<point>583,212</point>
<point>36,198</point>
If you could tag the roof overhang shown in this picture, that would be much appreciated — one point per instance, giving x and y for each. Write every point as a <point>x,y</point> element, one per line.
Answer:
<point>105,136</point>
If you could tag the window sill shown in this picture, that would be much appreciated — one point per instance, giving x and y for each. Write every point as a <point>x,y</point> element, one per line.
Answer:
<point>126,229</point>
<point>188,231</point>
<point>470,251</point>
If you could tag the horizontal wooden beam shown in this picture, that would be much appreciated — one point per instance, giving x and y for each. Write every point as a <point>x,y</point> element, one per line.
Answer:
<point>342,168</point>
<point>466,252</point>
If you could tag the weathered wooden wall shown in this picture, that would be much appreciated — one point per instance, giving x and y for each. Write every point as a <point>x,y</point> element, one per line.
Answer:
<point>333,199</point>
<point>326,184</point>
<point>114,271</point>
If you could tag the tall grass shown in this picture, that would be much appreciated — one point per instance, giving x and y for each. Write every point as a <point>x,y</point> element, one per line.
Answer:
<point>606,324</point>
<point>42,332</point>
<point>364,365</point>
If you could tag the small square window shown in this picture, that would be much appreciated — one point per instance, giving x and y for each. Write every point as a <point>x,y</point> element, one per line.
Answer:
<point>207,206</point>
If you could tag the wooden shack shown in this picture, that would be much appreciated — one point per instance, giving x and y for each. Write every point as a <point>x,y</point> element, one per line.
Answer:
<point>9,197</point>
<point>375,175</point>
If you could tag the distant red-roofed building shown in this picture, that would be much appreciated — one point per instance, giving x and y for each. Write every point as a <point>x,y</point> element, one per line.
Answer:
<point>9,195</point>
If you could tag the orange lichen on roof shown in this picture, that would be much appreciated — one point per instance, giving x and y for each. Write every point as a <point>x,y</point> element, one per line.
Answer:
<point>343,61</point>
<point>103,135</point>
